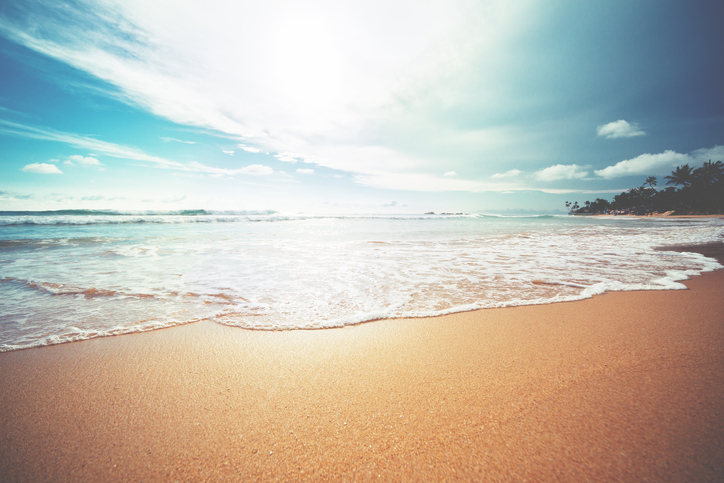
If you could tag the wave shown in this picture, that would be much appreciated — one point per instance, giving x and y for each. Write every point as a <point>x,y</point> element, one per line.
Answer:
<point>107,217</point>
<point>198,212</point>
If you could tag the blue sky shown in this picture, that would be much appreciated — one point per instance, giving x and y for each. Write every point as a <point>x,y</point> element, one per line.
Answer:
<point>374,106</point>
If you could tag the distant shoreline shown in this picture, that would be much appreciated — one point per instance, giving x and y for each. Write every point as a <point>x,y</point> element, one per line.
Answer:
<point>652,215</point>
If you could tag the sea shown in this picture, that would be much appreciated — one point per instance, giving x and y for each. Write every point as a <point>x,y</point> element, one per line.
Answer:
<point>73,275</point>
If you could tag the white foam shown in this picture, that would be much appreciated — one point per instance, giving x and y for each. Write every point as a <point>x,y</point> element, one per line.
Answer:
<point>71,282</point>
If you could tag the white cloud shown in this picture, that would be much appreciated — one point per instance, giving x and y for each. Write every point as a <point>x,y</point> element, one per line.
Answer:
<point>257,170</point>
<point>700,156</point>
<point>230,153</point>
<point>118,151</point>
<point>254,170</point>
<point>426,182</point>
<point>508,174</point>
<point>661,163</point>
<point>290,157</point>
<point>314,78</point>
<point>305,171</point>
<point>168,140</point>
<point>620,129</point>
<point>648,164</point>
<point>249,149</point>
<point>43,168</point>
<point>84,142</point>
<point>83,161</point>
<point>168,199</point>
<point>561,171</point>
<point>450,173</point>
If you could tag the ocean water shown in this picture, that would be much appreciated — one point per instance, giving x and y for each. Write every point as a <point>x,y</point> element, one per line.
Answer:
<point>73,275</point>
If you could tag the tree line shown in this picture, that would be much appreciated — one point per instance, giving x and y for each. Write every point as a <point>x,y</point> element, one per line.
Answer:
<point>694,191</point>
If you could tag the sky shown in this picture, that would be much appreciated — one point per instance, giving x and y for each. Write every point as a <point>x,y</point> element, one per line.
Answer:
<point>371,106</point>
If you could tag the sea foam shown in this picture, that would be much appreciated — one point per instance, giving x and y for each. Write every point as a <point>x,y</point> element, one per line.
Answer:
<point>73,276</point>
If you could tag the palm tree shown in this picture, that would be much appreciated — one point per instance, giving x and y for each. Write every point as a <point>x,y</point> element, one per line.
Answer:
<point>682,175</point>
<point>651,181</point>
<point>709,173</point>
<point>709,185</point>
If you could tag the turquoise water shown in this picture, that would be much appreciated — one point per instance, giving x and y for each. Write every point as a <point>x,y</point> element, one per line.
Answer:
<point>74,275</point>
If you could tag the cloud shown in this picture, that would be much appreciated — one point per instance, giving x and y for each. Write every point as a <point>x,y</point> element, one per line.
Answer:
<point>249,149</point>
<point>703,155</point>
<point>450,173</point>
<point>320,80</point>
<point>257,170</point>
<point>561,171</point>
<point>648,164</point>
<point>253,170</point>
<point>9,196</point>
<point>43,168</point>
<point>305,171</point>
<point>290,157</point>
<point>620,129</point>
<point>230,153</point>
<point>168,140</point>
<point>84,142</point>
<point>83,161</point>
<point>118,151</point>
<point>661,163</point>
<point>168,199</point>
<point>426,182</point>
<point>508,174</point>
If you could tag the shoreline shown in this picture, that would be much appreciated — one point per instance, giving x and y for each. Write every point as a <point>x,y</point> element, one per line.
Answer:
<point>626,385</point>
<point>652,215</point>
<point>709,249</point>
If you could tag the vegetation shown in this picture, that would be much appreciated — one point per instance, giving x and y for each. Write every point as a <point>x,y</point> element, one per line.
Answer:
<point>700,191</point>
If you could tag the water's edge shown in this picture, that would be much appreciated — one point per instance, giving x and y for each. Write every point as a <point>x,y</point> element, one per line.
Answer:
<point>713,252</point>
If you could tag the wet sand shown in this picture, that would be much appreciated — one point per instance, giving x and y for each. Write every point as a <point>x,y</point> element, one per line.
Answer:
<point>624,386</point>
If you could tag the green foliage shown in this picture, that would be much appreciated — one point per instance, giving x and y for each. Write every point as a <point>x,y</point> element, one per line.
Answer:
<point>701,192</point>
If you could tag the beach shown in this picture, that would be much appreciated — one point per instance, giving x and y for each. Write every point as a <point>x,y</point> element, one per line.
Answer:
<point>622,386</point>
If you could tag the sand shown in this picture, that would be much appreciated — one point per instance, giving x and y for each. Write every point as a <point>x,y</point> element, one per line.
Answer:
<point>624,386</point>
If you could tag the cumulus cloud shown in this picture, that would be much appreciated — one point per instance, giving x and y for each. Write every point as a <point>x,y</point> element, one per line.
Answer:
<point>305,171</point>
<point>508,174</point>
<point>257,170</point>
<point>644,164</point>
<point>77,159</point>
<point>43,168</point>
<point>450,173</point>
<point>661,163</point>
<point>620,129</point>
<point>249,149</point>
<point>703,155</point>
<point>561,171</point>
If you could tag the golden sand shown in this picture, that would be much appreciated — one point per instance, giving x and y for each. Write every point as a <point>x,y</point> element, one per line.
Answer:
<point>624,386</point>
